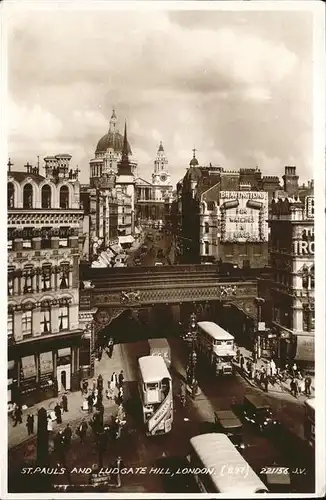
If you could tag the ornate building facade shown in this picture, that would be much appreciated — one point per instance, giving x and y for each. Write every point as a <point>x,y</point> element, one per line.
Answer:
<point>153,197</point>
<point>289,298</point>
<point>48,349</point>
<point>221,215</point>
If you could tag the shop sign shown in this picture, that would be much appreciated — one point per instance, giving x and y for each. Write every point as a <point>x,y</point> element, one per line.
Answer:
<point>261,326</point>
<point>301,247</point>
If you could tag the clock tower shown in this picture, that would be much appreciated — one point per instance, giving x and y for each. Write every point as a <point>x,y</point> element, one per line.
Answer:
<point>161,177</point>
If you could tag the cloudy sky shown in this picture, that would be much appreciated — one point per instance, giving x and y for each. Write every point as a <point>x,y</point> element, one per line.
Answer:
<point>237,85</point>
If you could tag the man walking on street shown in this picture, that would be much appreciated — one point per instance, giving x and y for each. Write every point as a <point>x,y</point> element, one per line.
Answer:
<point>57,412</point>
<point>67,434</point>
<point>30,424</point>
<point>307,385</point>
<point>121,378</point>
<point>293,388</point>
<point>18,416</point>
<point>65,403</point>
<point>100,383</point>
<point>90,402</point>
<point>82,430</point>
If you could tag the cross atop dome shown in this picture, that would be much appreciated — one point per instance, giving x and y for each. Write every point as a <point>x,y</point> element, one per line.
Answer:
<point>194,161</point>
<point>113,121</point>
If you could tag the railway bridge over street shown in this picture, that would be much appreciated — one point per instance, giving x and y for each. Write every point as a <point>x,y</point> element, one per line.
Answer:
<point>176,290</point>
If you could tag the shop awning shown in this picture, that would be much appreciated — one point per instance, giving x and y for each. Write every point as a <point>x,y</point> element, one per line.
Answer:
<point>116,248</point>
<point>305,348</point>
<point>137,231</point>
<point>126,239</point>
<point>64,352</point>
<point>11,365</point>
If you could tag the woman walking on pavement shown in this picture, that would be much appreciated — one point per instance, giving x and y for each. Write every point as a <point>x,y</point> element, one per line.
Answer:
<point>114,380</point>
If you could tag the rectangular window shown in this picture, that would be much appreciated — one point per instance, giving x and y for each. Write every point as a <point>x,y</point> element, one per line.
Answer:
<point>10,324</point>
<point>64,276</point>
<point>10,282</point>
<point>123,220</point>
<point>46,277</point>
<point>152,386</point>
<point>27,323</point>
<point>45,320</point>
<point>206,246</point>
<point>63,318</point>
<point>28,277</point>
<point>206,227</point>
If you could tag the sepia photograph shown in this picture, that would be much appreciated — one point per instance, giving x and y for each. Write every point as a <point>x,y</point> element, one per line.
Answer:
<point>165,167</point>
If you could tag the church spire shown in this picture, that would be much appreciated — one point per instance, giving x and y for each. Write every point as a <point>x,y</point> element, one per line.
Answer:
<point>125,152</point>
<point>124,165</point>
<point>161,149</point>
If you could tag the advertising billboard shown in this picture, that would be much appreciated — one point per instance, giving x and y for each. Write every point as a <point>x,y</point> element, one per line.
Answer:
<point>244,216</point>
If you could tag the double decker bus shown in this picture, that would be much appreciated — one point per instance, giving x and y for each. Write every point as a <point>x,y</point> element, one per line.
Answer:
<point>218,467</point>
<point>155,389</point>
<point>217,346</point>
<point>309,427</point>
<point>160,347</point>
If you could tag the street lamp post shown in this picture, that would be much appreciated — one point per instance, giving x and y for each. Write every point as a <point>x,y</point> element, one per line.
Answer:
<point>259,301</point>
<point>192,360</point>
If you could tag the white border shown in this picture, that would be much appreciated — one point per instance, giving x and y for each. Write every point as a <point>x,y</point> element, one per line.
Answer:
<point>9,8</point>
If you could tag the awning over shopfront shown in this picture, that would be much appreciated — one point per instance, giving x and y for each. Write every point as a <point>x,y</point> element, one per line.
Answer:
<point>66,351</point>
<point>11,365</point>
<point>137,230</point>
<point>116,249</point>
<point>305,348</point>
<point>128,239</point>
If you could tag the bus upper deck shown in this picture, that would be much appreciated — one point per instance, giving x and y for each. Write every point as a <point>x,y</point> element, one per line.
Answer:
<point>155,389</point>
<point>230,473</point>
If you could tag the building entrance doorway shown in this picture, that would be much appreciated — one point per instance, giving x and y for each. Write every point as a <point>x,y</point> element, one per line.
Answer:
<point>63,377</point>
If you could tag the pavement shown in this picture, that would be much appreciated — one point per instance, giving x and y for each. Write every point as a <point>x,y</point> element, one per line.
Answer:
<point>75,414</point>
<point>279,389</point>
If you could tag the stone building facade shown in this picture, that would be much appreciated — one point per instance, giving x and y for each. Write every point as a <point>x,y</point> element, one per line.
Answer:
<point>289,298</point>
<point>47,348</point>
<point>153,198</point>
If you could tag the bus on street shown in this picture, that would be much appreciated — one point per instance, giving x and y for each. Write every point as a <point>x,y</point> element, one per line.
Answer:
<point>155,390</point>
<point>219,467</point>
<point>217,346</point>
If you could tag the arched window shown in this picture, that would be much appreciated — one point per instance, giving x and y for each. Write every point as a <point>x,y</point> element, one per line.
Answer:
<point>28,196</point>
<point>64,197</point>
<point>11,195</point>
<point>46,196</point>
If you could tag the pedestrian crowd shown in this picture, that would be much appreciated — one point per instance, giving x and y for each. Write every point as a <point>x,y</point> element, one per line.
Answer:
<point>270,374</point>
<point>102,431</point>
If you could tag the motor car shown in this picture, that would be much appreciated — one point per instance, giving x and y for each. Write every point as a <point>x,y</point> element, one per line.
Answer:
<point>258,412</point>
<point>158,264</point>
<point>228,423</point>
